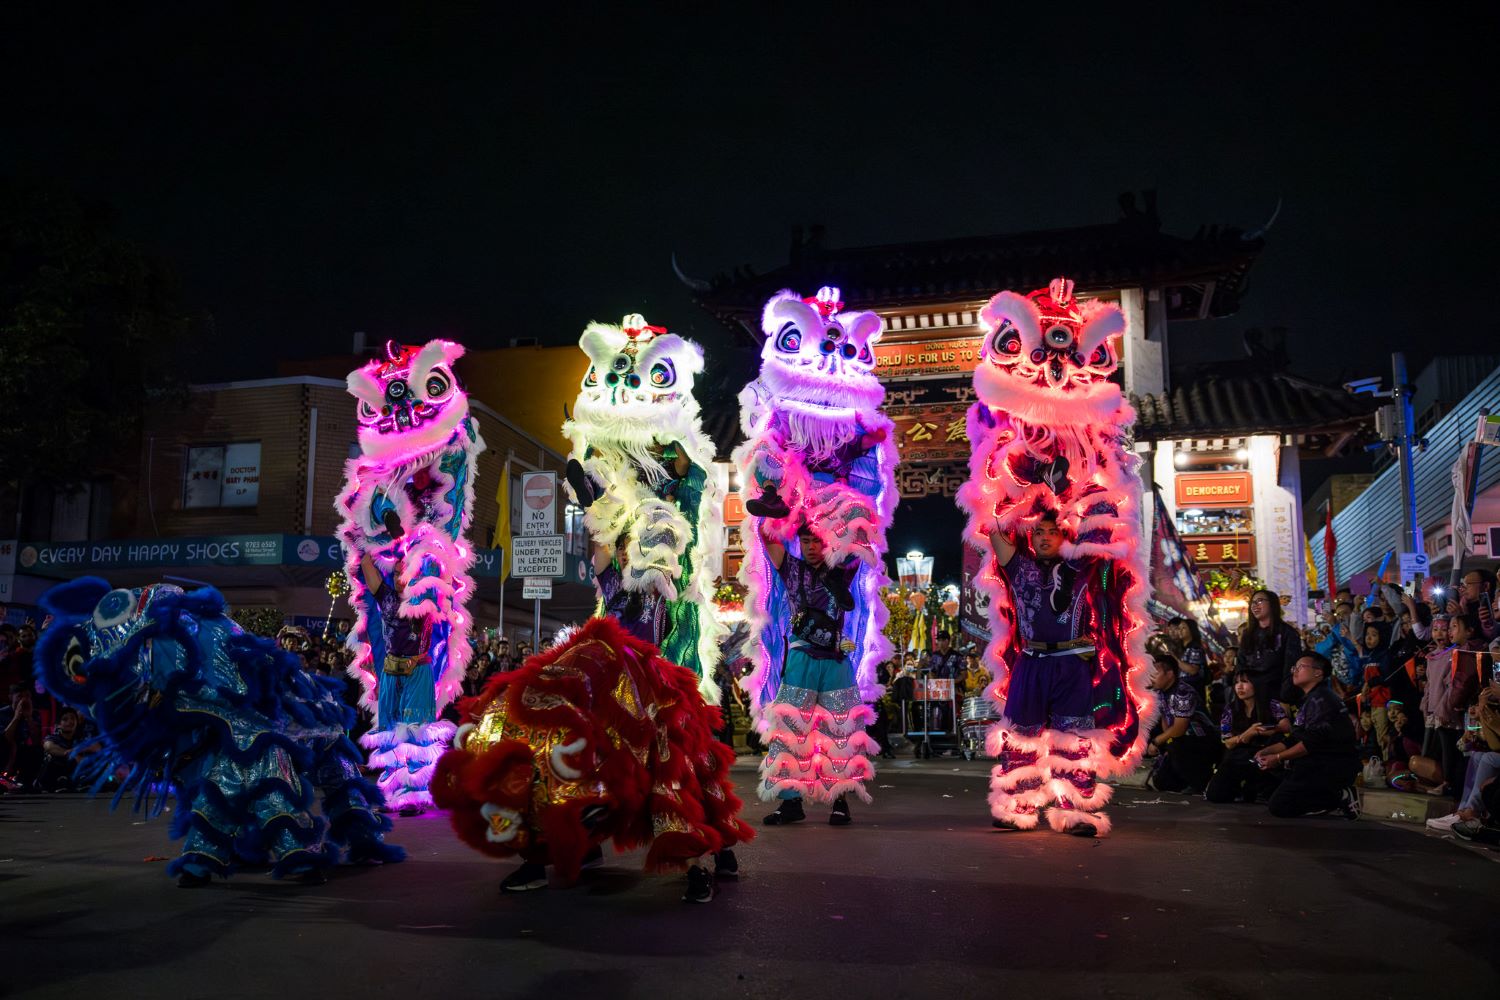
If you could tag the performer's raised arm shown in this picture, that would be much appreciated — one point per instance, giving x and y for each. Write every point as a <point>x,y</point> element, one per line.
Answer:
<point>373,579</point>
<point>604,554</point>
<point>1004,546</point>
<point>775,550</point>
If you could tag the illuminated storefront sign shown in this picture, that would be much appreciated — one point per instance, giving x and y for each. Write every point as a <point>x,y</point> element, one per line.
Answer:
<point>1220,550</point>
<point>1214,489</point>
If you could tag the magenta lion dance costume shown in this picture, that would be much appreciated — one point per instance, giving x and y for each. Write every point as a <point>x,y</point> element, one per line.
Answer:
<point>1053,500</point>
<point>405,508</point>
<point>823,457</point>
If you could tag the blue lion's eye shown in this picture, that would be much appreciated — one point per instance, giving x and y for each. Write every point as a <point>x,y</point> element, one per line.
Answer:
<point>114,608</point>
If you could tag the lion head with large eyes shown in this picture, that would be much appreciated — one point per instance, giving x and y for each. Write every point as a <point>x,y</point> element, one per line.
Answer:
<point>409,401</point>
<point>639,383</point>
<point>818,360</point>
<point>1047,358</point>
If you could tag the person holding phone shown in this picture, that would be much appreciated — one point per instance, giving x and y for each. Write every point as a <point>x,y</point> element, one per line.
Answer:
<point>1246,727</point>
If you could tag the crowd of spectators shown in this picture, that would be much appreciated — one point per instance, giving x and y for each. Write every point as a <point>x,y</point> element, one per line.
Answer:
<point>1395,690</point>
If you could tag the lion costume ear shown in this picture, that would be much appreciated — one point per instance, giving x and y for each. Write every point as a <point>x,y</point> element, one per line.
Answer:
<point>601,342</point>
<point>432,354</point>
<point>76,598</point>
<point>1017,311</point>
<point>363,387</point>
<point>864,327</point>
<point>786,306</point>
<point>1101,320</point>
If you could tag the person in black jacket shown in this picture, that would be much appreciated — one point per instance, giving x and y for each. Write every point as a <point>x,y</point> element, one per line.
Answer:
<point>1269,650</point>
<point>1320,755</point>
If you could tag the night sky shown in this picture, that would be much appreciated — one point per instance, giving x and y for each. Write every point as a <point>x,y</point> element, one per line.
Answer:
<point>313,174</point>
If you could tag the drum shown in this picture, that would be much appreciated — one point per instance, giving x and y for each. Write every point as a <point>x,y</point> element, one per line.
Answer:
<point>979,710</point>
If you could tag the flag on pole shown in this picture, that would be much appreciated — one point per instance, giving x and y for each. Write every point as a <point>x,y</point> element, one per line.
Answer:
<point>501,540</point>
<point>1463,475</point>
<point>1330,547</point>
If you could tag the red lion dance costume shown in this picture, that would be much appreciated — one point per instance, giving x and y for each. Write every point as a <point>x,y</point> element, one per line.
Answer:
<point>597,738</point>
<point>1049,436</point>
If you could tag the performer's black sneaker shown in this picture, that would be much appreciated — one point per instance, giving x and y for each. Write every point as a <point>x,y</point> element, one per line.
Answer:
<point>700,887</point>
<point>1083,830</point>
<point>839,815</point>
<point>525,878</point>
<point>1349,803</point>
<point>790,811</point>
<point>726,865</point>
<point>187,880</point>
<point>410,811</point>
<point>312,876</point>
<point>1005,825</point>
<point>583,487</point>
<point>768,505</point>
<point>593,859</point>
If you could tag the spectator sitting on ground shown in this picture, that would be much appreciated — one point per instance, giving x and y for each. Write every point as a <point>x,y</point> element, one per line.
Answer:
<point>1320,754</point>
<point>1246,727</point>
<point>1479,812</point>
<point>60,753</point>
<point>1409,769</point>
<point>1186,745</point>
<point>21,751</point>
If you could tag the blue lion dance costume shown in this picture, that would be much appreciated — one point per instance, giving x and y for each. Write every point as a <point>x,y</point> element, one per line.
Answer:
<point>187,702</point>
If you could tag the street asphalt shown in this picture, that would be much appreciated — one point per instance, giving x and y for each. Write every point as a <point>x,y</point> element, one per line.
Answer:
<point>919,898</point>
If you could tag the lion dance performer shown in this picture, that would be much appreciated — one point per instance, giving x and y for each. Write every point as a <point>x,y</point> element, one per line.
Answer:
<point>598,738</point>
<point>640,469</point>
<point>824,459</point>
<point>1053,500</point>
<point>186,702</point>
<point>405,508</point>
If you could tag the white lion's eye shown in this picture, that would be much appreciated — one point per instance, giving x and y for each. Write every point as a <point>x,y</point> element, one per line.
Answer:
<point>663,375</point>
<point>789,339</point>
<point>438,384</point>
<point>114,608</point>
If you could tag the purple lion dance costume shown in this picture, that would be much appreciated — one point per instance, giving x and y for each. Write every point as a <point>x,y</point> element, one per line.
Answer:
<point>1067,607</point>
<point>405,507</point>
<point>823,456</point>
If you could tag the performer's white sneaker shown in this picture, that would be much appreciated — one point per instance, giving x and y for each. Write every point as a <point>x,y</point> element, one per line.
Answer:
<point>525,878</point>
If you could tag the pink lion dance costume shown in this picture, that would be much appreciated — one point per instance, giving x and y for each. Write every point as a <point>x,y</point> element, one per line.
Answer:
<point>823,456</point>
<point>1049,436</point>
<point>405,508</point>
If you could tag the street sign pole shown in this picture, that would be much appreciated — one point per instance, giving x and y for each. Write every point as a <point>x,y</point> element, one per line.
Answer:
<point>538,520</point>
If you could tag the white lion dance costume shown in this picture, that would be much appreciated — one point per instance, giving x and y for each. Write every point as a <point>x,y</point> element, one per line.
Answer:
<point>405,507</point>
<point>1049,437</point>
<point>634,422</point>
<point>824,458</point>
